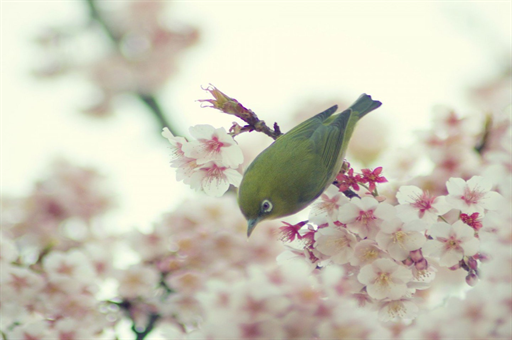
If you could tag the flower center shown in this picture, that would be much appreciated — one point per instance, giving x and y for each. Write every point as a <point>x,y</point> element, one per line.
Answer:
<point>365,217</point>
<point>472,196</point>
<point>213,145</point>
<point>396,309</point>
<point>383,279</point>
<point>452,243</point>
<point>370,254</point>
<point>424,202</point>
<point>399,237</point>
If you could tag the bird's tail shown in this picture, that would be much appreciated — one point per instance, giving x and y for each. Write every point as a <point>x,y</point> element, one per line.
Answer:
<point>364,105</point>
<point>348,119</point>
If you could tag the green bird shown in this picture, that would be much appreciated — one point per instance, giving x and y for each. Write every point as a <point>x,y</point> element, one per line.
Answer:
<point>294,170</point>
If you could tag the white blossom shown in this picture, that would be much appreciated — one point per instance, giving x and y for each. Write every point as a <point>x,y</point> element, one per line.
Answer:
<point>362,216</point>
<point>214,179</point>
<point>400,238</point>
<point>451,243</point>
<point>384,278</point>
<point>335,242</point>
<point>325,209</point>
<point>213,145</point>
<point>471,196</point>
<point>395,310</point>
<point>416,203</point>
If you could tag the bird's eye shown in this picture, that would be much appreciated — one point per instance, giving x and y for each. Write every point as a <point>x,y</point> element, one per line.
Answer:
<point>266,206</point>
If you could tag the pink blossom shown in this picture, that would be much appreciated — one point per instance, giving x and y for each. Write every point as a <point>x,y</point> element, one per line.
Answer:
<point>213,145</point>
<point>472,220</point>
<point>416,203</point>
<point>385,278</point>
<point>214,179</point>
<point>372,177</point>
<point>451,243</point>
<point>348,179</point>
<point>471,196</point>
<point>289,232</point>
<point>363,215</point>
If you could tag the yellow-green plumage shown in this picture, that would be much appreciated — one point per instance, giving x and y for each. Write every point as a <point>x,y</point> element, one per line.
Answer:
<point>292,172</point>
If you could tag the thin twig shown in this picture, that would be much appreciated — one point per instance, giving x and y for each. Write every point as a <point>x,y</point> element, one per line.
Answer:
<point>231,106</point>
<point>141,335</point>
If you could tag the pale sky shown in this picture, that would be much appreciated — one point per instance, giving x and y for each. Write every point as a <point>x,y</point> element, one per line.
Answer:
<point>272,56</point>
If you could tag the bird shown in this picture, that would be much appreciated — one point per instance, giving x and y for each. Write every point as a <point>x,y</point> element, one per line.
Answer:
<point>298,166</point>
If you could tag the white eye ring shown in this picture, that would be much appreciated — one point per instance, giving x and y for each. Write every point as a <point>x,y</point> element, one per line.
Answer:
<point>266,206</point>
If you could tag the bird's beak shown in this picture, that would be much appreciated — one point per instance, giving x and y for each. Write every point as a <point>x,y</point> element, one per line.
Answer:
<point>251,224</point>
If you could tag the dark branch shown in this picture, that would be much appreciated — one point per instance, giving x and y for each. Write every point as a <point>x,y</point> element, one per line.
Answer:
<point>231,106</point>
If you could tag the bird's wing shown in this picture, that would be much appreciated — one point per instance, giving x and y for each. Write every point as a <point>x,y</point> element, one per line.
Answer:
<point>331,142</point>
<point>308,127</point>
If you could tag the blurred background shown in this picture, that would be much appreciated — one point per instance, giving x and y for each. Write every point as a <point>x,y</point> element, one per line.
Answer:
<point>94,81</point>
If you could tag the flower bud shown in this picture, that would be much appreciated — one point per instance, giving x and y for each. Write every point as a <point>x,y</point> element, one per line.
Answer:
<point>472,263</point>
<point>416,255</point>
<point>408,261</point>
<point>421,265</point>
<point>472,279</point>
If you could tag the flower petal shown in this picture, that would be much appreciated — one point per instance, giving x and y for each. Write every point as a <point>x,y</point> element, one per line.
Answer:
<point>450,258</point>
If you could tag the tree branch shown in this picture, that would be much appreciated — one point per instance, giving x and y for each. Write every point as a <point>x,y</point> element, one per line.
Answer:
<point>231,106</point>
<point>148,99</point>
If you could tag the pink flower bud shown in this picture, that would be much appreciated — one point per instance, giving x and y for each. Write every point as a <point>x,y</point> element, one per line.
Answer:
<point>416,255</point>
<point>472,279</point>
<point>472,263</point>
<point>408,261</point>
<point>483,257</point>
<point>421,265</point>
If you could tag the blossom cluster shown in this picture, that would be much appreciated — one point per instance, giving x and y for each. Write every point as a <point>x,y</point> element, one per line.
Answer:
<point>392,251</point>
<point>61,286</point>
<point>208,163</point>
<point>145,54</point>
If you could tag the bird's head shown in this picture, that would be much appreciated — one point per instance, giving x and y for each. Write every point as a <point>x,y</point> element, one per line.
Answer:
<point>256,206</point>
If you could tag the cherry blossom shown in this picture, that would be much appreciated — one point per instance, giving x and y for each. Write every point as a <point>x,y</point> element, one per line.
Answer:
<point>385,279</point>
<point>213,145</point>
<point>36,330</point>
<point>451,243</point>
<point>400,238</point>
<point>471,196</point>
<point>365,252</point>
<point>214,179</point>
<point>325,209</point>
<point>137,280</point>
<point>362,215</point>
<point>348,179</point>
<point>73,264</point>
<point>335,242</point>
<point>176,144</point>
<point>416,203</point>
<point>394,310</point>
<point>19,283</point>
<point>372,177</point>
